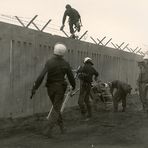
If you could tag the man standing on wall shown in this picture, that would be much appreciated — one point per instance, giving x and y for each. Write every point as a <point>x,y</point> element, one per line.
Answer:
<point>56,68</point>
<point>143,82</point>
<point>85,74</point>
<point>119,91</point>
<point>74,20</point>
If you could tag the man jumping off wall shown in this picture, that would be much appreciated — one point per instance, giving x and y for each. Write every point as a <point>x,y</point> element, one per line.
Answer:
<point>74,20</point>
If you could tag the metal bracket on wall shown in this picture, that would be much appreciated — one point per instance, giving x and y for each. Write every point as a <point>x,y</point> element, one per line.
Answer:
<point>114,45</point>
<point>46,25</point>
<point>36,26</point>
<point>100,41</point>
<point>125,46</point>
<point>108,42</point>
<point>93,40</point>
<point>65,33</point>
<point>119,46</point>
<point>20,21</point>
<point>138,51</point>
<point>31,21</point>
<point>135,49</point>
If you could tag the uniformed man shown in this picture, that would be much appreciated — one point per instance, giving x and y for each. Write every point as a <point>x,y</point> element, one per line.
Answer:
<point>74,19</point>
<point>85,74</point>
<point>56,68</point>
<point>119,91</point>
<point>143,82</point>
<point>100,94</point>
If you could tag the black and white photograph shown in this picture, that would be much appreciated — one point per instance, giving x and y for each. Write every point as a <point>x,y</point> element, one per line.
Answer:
<point>74,74</point>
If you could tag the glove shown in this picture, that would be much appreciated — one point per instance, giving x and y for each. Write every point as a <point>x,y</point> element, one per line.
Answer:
<point>62,27</point>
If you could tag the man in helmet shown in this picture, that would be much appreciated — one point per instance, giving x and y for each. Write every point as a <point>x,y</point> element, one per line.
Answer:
<point>74,19</point>
<point>56,68</point>
<point>86,74</point>
<point>119,91</point>
<point>143,82</point>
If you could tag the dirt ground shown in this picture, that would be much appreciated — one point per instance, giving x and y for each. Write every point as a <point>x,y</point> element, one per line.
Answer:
<point>106,129</point>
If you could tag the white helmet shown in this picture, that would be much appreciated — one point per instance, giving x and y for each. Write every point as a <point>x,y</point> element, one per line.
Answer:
<point>60,49</point>
<point>87,59</point>
<point>145,57</point>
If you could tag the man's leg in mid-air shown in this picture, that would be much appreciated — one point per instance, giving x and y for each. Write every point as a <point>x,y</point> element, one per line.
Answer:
<point>71,25</point>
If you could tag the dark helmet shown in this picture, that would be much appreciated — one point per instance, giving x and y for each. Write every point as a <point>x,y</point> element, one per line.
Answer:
<point>67,6</point>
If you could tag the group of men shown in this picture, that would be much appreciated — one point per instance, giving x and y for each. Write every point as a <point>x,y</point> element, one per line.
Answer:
<point>56,68</point>
<point>75,22</point>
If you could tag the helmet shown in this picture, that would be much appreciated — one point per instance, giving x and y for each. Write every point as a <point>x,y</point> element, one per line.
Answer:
<point>87,59</point>
<point>67,6</point>
<point>60,49</point>
<point>145,57</point>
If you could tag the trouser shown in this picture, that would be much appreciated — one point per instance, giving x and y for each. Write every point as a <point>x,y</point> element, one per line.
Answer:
<point>119,95</point>
<point>72,24</point>
<point>143,95</point>
<point>56,93</point>
<point>83,101</point>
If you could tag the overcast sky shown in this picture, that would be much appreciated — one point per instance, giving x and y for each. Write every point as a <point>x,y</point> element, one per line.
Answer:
<point>122,20</point>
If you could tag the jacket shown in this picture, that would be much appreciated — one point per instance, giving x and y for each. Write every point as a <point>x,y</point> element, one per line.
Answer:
<point>124,87</point>
<point>73,14</point>
<point>56,68</point>
<point>86,73</point>
<point>143,76</point>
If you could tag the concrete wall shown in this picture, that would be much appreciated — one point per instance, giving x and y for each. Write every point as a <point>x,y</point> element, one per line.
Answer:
<point>24,53</point>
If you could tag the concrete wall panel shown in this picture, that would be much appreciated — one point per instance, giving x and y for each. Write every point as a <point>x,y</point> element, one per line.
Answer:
<point>24,53</point>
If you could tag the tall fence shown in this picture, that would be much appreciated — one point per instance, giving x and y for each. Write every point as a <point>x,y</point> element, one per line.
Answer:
<point>24,53</point>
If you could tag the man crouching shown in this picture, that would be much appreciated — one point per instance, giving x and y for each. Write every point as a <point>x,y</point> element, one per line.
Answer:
<point>119,91</point>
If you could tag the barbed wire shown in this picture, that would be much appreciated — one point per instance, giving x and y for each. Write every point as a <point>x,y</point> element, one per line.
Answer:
<point>53,28</point>
<point>27,20</point>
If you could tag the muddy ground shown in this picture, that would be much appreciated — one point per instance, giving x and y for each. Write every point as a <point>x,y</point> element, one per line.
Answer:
<point>106,129</point>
